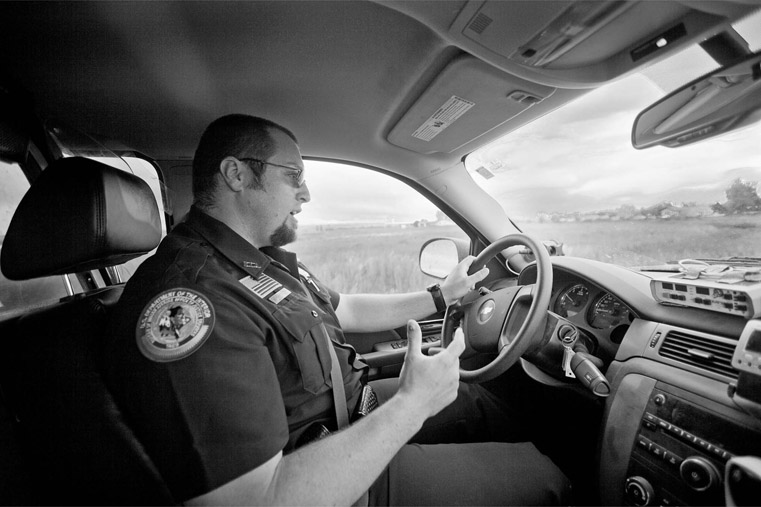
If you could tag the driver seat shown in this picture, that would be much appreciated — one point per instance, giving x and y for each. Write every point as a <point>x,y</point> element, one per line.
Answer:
<point>74,446</point>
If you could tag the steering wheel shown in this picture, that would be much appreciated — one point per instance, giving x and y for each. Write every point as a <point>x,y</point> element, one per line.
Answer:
<point>509,321</point>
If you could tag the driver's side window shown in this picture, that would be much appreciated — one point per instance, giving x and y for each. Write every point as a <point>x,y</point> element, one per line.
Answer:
<point>362,230</point>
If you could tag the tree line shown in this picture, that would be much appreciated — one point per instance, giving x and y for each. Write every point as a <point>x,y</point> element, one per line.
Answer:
<point>742,197</point>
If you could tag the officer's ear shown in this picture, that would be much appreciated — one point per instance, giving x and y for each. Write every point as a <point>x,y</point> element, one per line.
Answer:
<point>235,173</point>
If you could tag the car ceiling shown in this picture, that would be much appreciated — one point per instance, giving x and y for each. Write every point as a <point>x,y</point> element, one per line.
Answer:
<point>355,80</point>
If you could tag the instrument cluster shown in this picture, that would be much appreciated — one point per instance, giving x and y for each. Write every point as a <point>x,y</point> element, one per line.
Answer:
<point>587,305</point>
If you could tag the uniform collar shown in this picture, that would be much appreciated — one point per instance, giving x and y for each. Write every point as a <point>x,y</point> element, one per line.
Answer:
<point>283,258</point>
<point>228,242</point>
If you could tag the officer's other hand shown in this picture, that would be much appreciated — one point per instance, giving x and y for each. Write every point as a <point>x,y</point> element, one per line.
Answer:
<point>458,283</point>
<point>431,381</point>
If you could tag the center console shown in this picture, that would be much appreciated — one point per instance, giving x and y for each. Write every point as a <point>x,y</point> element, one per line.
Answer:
<point>681,449</point>
<point>668,436</point>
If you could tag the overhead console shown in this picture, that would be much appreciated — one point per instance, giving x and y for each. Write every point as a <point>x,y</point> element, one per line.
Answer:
<point>561,44</point>
<point>565,35</point>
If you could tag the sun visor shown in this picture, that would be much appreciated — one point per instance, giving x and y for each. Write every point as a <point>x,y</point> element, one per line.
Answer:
<point>468,99</point>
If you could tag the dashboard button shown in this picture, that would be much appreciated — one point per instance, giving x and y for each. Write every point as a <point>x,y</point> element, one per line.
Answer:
<point>657,451</point>
<point>672,459</point>
<point>699,473</point>
<point>639,491</point>
<point>643,442</point>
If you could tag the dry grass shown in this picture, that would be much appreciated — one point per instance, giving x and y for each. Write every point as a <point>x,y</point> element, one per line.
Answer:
<point>385,259</point>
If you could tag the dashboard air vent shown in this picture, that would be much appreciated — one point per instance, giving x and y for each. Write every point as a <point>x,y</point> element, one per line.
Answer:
<point>704,353</point>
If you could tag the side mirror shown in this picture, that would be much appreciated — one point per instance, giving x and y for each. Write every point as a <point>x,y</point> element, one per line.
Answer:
<point>439,256</point>
<point>724,100</point>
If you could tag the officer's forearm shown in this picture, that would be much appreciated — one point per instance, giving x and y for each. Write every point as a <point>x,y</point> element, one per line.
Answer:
<point>364,313</point>
<point>338,469</point>
<point>335,470</point>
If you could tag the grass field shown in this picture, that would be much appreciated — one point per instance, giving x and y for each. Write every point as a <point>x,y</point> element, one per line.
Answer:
<point>385,259</point>
<point>368,259</point>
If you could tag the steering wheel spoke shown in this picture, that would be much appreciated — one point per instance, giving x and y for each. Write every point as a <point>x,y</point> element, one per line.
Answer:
<point>516,315</point>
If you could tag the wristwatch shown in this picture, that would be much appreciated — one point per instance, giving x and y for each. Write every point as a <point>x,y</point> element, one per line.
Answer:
<point>438,298</point>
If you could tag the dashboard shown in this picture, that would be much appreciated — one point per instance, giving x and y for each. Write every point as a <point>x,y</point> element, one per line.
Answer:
<point>672,424</point>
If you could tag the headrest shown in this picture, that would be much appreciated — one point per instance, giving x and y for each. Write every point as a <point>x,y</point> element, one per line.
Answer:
<point>80,215</point>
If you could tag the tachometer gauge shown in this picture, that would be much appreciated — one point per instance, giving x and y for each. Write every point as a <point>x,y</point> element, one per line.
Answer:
<point>608,312</point>
<point>572,300</point>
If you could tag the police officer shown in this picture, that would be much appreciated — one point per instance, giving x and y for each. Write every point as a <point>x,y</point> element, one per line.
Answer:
<point>249,403</point>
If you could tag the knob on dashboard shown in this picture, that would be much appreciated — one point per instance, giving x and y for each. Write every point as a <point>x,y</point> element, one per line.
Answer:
<point>639,491</point>
<point>699,473</point>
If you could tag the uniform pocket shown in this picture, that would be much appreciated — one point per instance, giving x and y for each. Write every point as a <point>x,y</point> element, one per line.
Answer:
<point>308,346</point>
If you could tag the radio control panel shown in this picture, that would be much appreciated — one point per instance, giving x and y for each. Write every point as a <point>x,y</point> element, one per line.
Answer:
<point>680,452</point>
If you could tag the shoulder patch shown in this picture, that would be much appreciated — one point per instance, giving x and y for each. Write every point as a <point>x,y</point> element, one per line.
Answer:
<point>174,325</point>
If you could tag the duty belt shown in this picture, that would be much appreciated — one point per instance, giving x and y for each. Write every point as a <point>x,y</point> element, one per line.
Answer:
<point>368,402</point>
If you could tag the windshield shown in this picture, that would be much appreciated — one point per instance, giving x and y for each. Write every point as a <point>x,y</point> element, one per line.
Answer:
<point>574,177</point>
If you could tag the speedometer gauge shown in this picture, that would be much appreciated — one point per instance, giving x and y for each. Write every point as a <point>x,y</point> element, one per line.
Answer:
<point>608,312</point>
<point>572,300</point>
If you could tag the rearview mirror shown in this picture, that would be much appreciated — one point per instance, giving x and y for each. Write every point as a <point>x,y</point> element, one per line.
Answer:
<point>719,102</point>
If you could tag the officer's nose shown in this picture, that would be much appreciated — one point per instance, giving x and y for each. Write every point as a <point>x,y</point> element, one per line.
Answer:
<point>303,194</point>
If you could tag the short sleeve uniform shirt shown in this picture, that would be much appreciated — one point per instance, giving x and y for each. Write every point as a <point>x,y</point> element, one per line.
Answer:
<point>214,358</point>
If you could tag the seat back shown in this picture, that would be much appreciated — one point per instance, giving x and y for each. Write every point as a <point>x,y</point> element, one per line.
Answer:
<point>72,444</point>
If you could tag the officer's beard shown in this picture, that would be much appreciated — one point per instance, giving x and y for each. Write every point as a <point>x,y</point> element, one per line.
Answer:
<point>282,236</point>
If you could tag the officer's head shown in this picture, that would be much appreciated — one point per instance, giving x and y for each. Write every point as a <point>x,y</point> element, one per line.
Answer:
<point>249,174</point>
<point>236,135</point>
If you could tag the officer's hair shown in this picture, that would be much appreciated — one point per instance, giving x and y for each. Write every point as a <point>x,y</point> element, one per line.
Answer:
<point>236,135</point>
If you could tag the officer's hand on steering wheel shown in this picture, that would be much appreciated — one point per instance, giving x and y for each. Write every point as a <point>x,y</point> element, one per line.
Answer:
<point>459,283</point>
